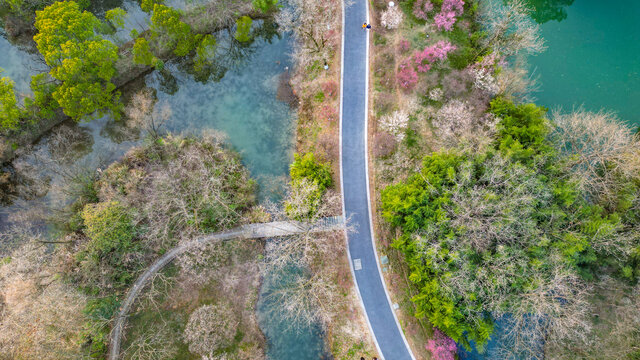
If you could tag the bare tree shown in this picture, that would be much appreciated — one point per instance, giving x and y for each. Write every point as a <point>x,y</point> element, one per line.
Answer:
<point>39,314</point>
<point>143,112</point>
<point>600,149</point>
<point>511,31</point>
<point>297,269</point>
<point>210,327</point>
<point>315,23</point>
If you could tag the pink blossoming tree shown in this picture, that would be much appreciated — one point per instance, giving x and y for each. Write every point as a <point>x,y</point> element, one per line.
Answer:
<point>407,75</point>
<point>446,18</point>
<point>437,52</point>
<point>441,346</point>
<point>421,8</point>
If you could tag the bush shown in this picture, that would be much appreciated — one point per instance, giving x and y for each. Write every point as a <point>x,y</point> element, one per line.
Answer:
<point>210,329</point>
<point>109,227</point>
<point>307,167</point>
<point>243,29</point>
<point>265,5</point>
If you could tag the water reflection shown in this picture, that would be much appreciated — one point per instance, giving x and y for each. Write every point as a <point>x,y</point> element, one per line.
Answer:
<point>546,10</point>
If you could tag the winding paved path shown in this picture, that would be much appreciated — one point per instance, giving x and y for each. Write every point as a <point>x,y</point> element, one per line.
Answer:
<point>388,336</point>
<point>250,231</point>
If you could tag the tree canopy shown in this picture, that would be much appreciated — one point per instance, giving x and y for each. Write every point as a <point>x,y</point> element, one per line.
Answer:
<point>505,233</point>
<point>82,62</point>
<point>9,109</point>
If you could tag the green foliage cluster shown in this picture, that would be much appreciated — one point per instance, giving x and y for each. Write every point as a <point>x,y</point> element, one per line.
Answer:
<point>265,5</point>
<point>109,227</point>
<point>81,61</point>
<point>99,312</point>
<point>480,230</point>
<point>243,29</point>
<point>308,167</point>
<point>177,35</point>
<point>9,110</point>
<point>142,54</point>
<point>310,179</point>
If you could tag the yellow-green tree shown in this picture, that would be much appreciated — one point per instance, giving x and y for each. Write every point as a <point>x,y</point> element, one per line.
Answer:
<point>81,61</point>
<point>171,32</point>
<point>9,109</point>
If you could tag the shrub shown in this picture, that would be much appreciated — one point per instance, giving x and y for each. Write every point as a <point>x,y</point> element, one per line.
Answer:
<point>210,328</point>
<point>243,29</point>
<point>441,346</point>
<point>404,46</point>
<point>265,5</point>
<point>307,167</point>
<point>109,227</point>
<point>330,88</point>
<point>421,8</point>
<point>329,113</point>
<point>407,77</point>
<point>384,145</point>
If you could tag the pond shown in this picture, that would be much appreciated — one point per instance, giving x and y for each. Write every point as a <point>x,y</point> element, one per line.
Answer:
<point>592,56</point>
<point>237,98</point>
<point>591,61</point>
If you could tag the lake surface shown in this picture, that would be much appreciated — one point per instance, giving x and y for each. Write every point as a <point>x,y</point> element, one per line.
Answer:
<point>237,98</point>
<point>593,57</point>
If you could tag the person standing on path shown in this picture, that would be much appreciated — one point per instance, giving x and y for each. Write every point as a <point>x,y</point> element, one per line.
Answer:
<point>366,26</point>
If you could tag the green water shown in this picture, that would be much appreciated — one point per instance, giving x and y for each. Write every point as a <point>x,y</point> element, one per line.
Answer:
<point>593,56</point>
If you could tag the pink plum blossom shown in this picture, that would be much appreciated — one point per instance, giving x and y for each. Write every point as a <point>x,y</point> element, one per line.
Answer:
<point>437,52</point>
<point>447,15</point>
<point>441,346</point>
<point>404,46</point>
<point>407,76</point>
<point>421,8</point>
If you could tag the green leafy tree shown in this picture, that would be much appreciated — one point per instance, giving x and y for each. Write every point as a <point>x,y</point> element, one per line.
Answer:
<point>109,227</point>
<point>81,61</point>
<point>142,54</point>
<point>307,167</point>
<point>265,5</point>
<point>243,29</point>
<point>171,32</point>
<point>10,111</point>
<point>115,17</point>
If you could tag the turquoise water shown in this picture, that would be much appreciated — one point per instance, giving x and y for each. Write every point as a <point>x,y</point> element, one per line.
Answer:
<point>593,57</point>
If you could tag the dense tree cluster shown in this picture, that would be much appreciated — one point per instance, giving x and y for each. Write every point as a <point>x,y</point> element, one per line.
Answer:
<point>507,234</point>
<point>82,61</point>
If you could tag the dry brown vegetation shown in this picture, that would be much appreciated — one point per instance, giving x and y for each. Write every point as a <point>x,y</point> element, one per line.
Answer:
<point>213,314</point>
<point>316,25</point>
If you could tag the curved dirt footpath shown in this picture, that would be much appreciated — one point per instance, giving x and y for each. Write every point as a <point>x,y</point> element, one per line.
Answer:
<point>251,231</point>
<point>365,268</point>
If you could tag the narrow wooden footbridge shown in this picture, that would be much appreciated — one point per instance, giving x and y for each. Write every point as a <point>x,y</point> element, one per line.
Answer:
<point>250,231</point>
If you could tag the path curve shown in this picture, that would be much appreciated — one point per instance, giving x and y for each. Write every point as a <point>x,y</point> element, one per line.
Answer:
<point>365,268</point>
<point>250,231</point>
